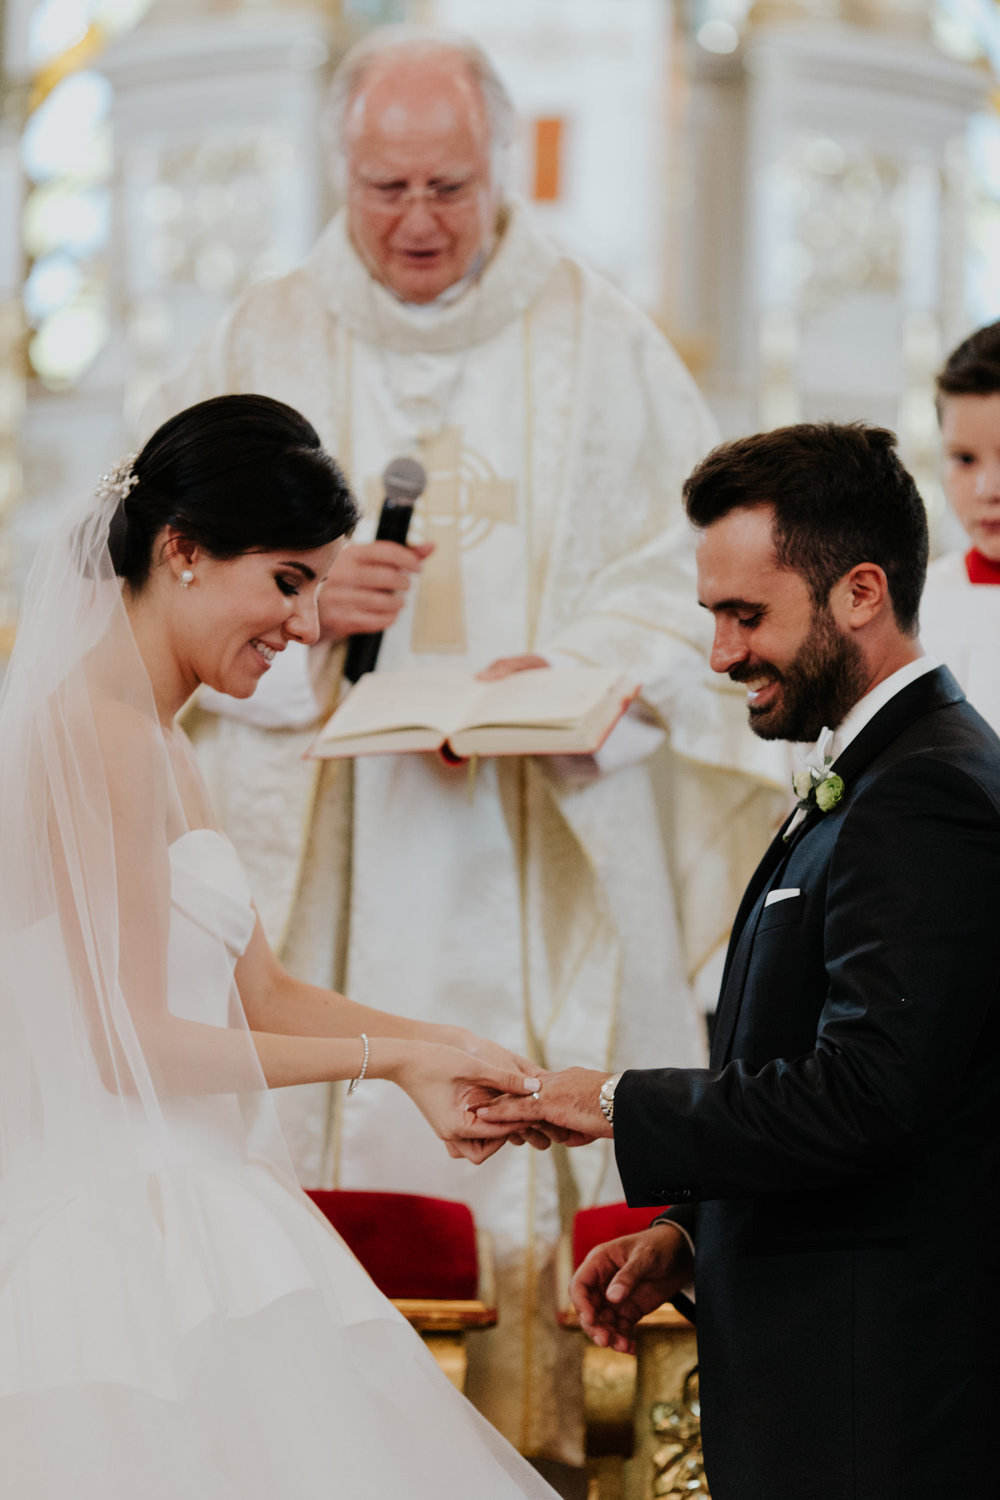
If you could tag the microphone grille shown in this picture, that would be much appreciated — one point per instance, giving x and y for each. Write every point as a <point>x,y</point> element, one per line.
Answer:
<point>404,481</point>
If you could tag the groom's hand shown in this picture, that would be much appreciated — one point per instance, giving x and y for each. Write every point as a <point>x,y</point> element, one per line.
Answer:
<point>501,1057</point>
<point>624,1279</point>
<point>566,1108</point>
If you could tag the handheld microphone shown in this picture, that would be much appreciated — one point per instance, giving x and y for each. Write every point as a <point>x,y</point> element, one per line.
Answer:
<point>404,482</point>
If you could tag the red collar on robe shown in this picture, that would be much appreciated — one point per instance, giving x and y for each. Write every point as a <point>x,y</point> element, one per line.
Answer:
<point>980,569</point>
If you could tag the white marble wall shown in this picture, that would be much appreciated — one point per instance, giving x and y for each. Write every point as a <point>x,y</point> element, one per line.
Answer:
<point>823,268</point>
<point>604,68</point>
<point>16,16</point>
<point>12,381</point>
<point>16,23</point>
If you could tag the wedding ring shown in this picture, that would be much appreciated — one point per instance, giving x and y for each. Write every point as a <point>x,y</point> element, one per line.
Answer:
<point>536,1094</point>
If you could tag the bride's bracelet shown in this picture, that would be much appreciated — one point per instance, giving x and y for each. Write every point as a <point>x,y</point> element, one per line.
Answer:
<point>352,1087</point>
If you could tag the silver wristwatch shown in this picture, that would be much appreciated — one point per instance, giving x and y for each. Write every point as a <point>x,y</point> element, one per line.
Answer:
<point>606,1098</point>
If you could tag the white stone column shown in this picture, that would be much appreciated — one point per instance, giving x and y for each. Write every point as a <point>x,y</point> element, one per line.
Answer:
<point>824,262</point>
<point>220,177</point>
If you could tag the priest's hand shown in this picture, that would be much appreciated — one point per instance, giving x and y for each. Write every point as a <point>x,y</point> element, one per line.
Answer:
<point>367,587</point>
<point>567,1108</point>
<point>506,666</point>
<point>624,1279</point>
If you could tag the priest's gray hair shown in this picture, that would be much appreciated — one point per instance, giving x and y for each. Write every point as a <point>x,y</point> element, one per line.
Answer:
<point>409,41</point>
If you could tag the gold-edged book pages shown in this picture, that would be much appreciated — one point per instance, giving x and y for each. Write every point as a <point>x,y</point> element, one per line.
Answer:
<point>547,711</point>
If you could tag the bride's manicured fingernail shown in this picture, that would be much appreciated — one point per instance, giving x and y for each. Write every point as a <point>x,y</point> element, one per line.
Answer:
<point>532,1085</point>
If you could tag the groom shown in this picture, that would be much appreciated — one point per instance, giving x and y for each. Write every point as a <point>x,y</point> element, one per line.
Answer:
<point>835,1172</point>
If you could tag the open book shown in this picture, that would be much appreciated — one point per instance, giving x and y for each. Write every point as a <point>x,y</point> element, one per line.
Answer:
<point>547,711</point>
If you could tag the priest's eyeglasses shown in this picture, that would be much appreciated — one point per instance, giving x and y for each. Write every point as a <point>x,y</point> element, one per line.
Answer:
<point>443,195</point>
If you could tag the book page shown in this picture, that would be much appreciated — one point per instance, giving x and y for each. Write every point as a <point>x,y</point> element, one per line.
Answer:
<point>381,702</point>
<point>547,697</point>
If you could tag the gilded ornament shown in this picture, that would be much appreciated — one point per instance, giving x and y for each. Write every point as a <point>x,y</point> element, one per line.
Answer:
<point>678,1464</point>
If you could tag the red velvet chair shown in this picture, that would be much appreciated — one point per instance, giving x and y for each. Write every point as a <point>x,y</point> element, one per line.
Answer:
<point>426,1255</point>
<point>592,1226</point>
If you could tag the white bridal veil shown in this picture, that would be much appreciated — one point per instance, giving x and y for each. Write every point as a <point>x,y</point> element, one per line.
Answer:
<point>89,810</point>
<point>175,1318</point>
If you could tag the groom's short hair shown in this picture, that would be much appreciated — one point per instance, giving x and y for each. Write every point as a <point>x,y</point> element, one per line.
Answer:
<point>840,496</point>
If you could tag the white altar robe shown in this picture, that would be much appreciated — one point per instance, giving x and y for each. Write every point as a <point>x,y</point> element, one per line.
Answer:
<point>556,426</point>
<point>960,624</point>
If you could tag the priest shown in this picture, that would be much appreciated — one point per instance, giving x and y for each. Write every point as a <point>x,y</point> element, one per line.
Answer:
<point>529,898</point>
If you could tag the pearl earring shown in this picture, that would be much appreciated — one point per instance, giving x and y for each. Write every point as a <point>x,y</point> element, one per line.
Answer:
<point>187,578</point>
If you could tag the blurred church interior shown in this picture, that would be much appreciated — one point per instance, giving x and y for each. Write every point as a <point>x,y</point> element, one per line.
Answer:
<point>804,194</point>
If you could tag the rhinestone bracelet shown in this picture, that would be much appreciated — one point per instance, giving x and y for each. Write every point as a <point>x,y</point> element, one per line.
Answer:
<point>352,1087</point>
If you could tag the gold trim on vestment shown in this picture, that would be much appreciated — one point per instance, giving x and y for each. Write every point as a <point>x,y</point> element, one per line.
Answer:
<point>439,611</point>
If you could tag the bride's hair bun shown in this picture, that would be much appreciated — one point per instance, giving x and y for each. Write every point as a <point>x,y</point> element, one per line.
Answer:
<point>234,474</point>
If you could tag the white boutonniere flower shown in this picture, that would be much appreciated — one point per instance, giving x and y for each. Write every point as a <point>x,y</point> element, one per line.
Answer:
<point>818,786</point>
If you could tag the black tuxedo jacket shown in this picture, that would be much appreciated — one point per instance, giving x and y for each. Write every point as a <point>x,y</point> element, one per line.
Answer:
<point>839,1161</point>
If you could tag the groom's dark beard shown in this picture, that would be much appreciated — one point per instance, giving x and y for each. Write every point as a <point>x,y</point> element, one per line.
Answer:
<point>824,680</point>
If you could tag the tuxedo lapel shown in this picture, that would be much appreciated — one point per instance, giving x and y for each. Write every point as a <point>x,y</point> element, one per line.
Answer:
<point>741,941</point>
<point>937,689</point>
<point>759,880</point>
<point>934,690</point>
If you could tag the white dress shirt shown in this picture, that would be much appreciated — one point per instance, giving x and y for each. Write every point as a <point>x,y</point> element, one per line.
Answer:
<point>873,702</point>
<point>833,742</point>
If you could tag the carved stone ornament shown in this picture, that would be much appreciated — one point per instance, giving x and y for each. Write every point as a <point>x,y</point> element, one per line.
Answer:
<point>848,222</point>
<point>208,217</point>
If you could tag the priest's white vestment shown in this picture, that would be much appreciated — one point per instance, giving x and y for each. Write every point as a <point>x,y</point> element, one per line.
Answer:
<point>960,623</point>
<point>556,426</point>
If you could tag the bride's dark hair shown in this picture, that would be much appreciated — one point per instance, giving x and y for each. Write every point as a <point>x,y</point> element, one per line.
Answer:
<point>235,474</point>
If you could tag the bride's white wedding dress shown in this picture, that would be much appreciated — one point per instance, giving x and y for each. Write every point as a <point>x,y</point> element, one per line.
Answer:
<point>192,1329</point>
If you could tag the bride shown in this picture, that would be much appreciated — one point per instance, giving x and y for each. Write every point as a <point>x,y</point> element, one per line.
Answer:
<point>175,1317</point>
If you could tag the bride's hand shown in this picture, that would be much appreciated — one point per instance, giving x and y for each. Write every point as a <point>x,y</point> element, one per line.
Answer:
<point>447,1083</point>
<point>486,1051</point>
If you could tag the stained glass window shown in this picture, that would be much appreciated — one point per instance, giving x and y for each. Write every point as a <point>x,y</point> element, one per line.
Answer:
<point>66,153</point>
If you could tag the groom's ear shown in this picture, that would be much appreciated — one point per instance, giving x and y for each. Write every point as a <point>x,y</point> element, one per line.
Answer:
<point>860,597</point>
